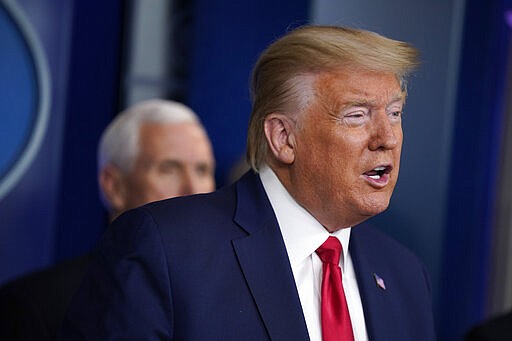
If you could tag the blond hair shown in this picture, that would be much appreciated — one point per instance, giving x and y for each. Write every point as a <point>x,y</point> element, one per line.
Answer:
<point>283,73</point>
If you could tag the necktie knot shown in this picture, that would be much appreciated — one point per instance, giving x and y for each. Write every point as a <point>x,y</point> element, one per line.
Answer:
<point>330,251</point>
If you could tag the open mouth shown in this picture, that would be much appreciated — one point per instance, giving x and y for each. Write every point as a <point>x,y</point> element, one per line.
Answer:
<point>378,172</point>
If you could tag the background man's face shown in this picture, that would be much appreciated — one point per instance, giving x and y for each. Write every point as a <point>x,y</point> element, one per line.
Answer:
<point>348,147</point>
<point>173,160</point>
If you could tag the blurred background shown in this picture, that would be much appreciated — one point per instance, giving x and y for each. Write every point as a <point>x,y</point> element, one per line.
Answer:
<point>68,66</point>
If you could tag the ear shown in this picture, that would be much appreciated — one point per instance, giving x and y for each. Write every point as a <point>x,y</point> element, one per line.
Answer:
<point>112,187</point>
<point>280,137</point>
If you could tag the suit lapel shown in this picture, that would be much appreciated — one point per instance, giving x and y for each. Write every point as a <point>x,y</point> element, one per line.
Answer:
<point>265,265</point>
<point>376,300</point>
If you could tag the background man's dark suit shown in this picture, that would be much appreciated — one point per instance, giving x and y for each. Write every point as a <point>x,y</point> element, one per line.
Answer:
<point>215,267</point>
<point>34,306</point>
<point>496,329</point>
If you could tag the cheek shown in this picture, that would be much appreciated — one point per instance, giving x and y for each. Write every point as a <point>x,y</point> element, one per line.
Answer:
<point>137,184</point>
<point>397,152</point>
<point>345,154</point>
<point>153,186</point>
<point>164,183</point>
<point>207,184</point>
<point>161,192</point>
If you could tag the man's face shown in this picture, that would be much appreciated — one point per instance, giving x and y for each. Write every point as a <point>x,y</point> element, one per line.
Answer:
<point>173,160</point>
<point>348,146</point>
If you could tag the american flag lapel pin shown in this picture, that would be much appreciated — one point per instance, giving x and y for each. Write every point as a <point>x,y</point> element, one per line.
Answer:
<point>379,281</point>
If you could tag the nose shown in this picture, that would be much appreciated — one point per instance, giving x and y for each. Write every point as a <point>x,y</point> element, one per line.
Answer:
<point>188,183</point>
<point>386,134</point>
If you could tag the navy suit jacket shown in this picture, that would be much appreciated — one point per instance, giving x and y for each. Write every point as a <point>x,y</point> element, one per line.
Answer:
<point>214,267</point>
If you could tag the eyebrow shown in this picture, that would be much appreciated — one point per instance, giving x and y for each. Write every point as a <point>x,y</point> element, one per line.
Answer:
<point>372,103</point>
<point>396,99</point>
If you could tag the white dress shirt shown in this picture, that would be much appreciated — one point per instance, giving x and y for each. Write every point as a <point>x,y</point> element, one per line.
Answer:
<point>302,235</point>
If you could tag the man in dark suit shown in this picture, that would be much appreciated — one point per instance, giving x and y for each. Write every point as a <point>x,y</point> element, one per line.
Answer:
<point>498,328</point>
<point>156,149</point>
<point>278,255</point>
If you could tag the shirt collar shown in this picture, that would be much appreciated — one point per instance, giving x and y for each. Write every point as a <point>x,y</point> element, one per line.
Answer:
<point>302,233</point>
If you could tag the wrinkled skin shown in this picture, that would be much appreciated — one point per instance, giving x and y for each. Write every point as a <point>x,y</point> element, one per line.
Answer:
<point>331,154</point>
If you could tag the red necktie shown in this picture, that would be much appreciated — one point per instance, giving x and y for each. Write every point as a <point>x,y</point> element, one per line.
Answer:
<point>336,325</point>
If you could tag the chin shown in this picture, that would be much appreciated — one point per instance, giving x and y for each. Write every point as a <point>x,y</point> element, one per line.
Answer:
<point>375,207</point>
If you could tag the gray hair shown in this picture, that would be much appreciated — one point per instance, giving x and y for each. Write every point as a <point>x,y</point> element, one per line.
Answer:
<point>119,144</point>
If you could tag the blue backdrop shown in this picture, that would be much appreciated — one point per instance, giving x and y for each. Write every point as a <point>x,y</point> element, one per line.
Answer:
<point>32,81</point>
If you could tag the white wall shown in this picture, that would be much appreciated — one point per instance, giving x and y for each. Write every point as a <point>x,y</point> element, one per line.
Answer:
<point>148,59</point>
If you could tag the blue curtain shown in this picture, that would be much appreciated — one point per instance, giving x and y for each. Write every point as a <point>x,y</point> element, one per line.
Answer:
<point>92,100</point>
<point>476,144</point>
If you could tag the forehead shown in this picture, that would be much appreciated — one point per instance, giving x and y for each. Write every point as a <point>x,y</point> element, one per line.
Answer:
<point>352,84</point>
<point>170,130</point>
<point>187,139</point>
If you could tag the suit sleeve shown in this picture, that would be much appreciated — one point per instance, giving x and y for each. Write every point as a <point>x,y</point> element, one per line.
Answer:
<point>126,291</point>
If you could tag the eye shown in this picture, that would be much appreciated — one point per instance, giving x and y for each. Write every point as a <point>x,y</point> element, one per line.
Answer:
<point>395,115</point>
<point>169,167</point>
<point>203,170</point>
<point>356,116</point>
